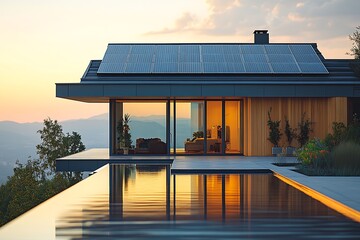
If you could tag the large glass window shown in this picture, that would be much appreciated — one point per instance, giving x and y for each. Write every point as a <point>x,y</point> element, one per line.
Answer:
<point>186,131</point>
<point>214,127</point>
<point>146,128</point>
<point>232,127</point>
<point>190,127</point>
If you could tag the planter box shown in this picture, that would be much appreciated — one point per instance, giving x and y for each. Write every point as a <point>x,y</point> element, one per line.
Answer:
<point>290,151</point>
<point>276,150</point>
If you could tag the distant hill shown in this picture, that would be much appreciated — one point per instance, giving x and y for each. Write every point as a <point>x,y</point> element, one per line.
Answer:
<point>18,140</point>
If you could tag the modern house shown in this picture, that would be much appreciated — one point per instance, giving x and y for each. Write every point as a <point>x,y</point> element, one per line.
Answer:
<point>226,89</point>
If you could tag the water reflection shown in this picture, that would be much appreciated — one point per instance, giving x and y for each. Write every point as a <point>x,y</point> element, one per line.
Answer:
<point>149,202</point>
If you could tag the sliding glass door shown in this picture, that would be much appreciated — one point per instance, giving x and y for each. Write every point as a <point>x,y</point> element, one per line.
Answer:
<point>189,127</point>
<point>214,127</point>
<point>232,127</point>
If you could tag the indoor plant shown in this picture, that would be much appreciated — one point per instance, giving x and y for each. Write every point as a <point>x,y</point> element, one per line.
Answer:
<point>124,135</point>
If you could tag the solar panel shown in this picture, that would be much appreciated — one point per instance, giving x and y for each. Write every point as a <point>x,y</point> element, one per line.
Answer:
<point>189,57</point>
<point>115,58</point>
<point>281,58</point>
<point>235,67</point>
<point>171,57</point>
<point>285,67</point>
<point>111,68</point>
<point>118,49</point>
<point>233,58</point>
<point>143,49</point>
<point>307,58</point>
<point>231,49</point>
<point>190,67</point>
<point>312,68</point>
<point>252,49</point>
<point>140,58</point>
<point>302,49</point>
<point>255,58</point>
<point>257,67</point>
<point>277,49</point>
<point>138,68</point>
<point>167,49</point>
<point>212,67</point>
<point>189,49</point>
<point>211,58</point>
<point>212,49</point>
<point>165,67</point>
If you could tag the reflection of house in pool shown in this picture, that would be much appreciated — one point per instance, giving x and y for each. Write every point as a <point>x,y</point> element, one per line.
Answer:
<point>225,90</point>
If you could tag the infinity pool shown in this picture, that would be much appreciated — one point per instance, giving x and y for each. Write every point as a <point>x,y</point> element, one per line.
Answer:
<point>147,202</point>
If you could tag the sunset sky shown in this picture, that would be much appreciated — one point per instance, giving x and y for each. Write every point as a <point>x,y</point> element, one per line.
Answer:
<point>48,41</point>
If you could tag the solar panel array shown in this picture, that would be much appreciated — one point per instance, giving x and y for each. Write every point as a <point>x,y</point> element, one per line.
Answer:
<point>207,58</point>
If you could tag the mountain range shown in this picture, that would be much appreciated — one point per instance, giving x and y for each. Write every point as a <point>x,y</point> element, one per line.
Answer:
<point>18,140</point>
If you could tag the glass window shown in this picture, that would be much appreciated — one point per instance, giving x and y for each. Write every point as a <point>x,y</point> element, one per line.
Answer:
<point>214,127</point>
<point>190,127</point>
<point>140,127</point>
<point>232,127</point>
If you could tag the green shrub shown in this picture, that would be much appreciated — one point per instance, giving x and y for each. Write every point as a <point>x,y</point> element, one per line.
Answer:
<point>352,133</point>
<point>332,140</point>
<point>313,153</point>
<point>346,156</point>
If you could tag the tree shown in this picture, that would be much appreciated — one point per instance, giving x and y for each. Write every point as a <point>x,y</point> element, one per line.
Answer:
<point>289,132</point>
<point>355,37</point>
<point>37,180</point>
<point>305,129</point>
<point>55,144</point>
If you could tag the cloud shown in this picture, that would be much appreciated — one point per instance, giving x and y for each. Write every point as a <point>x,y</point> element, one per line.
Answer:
<point>300,4</point>
<point>295,17</point>
<point>186,22</point>
<point>307,20</point>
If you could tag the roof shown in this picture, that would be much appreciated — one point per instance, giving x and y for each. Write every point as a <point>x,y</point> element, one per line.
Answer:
<point>211,58</point>
<point>99,83</point>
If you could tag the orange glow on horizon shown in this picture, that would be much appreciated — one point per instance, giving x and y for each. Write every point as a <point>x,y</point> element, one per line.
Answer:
<point>40,46</point>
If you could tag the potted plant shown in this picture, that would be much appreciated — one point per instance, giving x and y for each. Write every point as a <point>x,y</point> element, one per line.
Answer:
<point>198,134</point>
<point>274,134</point>
<point>290,135</point>
<point>304,128</point>
<point>124,135</point>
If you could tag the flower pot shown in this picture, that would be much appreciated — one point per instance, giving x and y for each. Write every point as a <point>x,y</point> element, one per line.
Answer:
<point>126,151</point>
<point>290,151</point>
<point>276,150</point>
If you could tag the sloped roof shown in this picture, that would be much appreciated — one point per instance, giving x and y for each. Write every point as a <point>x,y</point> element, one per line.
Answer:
<point>211,59</point>
<point>103,81</point>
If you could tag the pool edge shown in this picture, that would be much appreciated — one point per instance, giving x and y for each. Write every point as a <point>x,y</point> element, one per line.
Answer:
<point>328,201</point>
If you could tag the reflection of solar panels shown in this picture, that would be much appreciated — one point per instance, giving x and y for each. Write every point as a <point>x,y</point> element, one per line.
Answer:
<point>207,58</point>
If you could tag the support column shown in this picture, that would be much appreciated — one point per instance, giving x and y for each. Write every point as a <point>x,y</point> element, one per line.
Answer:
<point>168,127</point>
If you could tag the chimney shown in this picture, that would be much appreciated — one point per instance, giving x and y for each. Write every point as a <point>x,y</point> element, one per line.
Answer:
<point>261,37</point>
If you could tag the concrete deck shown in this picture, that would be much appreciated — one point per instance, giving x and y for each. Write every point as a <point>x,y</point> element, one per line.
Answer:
<point>333,191</point>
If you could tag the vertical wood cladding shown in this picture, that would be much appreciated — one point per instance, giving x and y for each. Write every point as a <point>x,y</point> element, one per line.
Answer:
<point>322,112</point>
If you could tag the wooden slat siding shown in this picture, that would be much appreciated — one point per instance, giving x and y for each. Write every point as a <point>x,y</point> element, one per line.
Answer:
<point>341,109</point>
<point>322,112</point>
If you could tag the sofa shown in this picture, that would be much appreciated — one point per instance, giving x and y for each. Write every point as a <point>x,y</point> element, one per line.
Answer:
<point>197,145</point>
<point>150,146</point>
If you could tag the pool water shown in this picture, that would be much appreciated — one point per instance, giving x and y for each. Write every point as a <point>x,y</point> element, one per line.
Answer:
<point>148,202</point>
